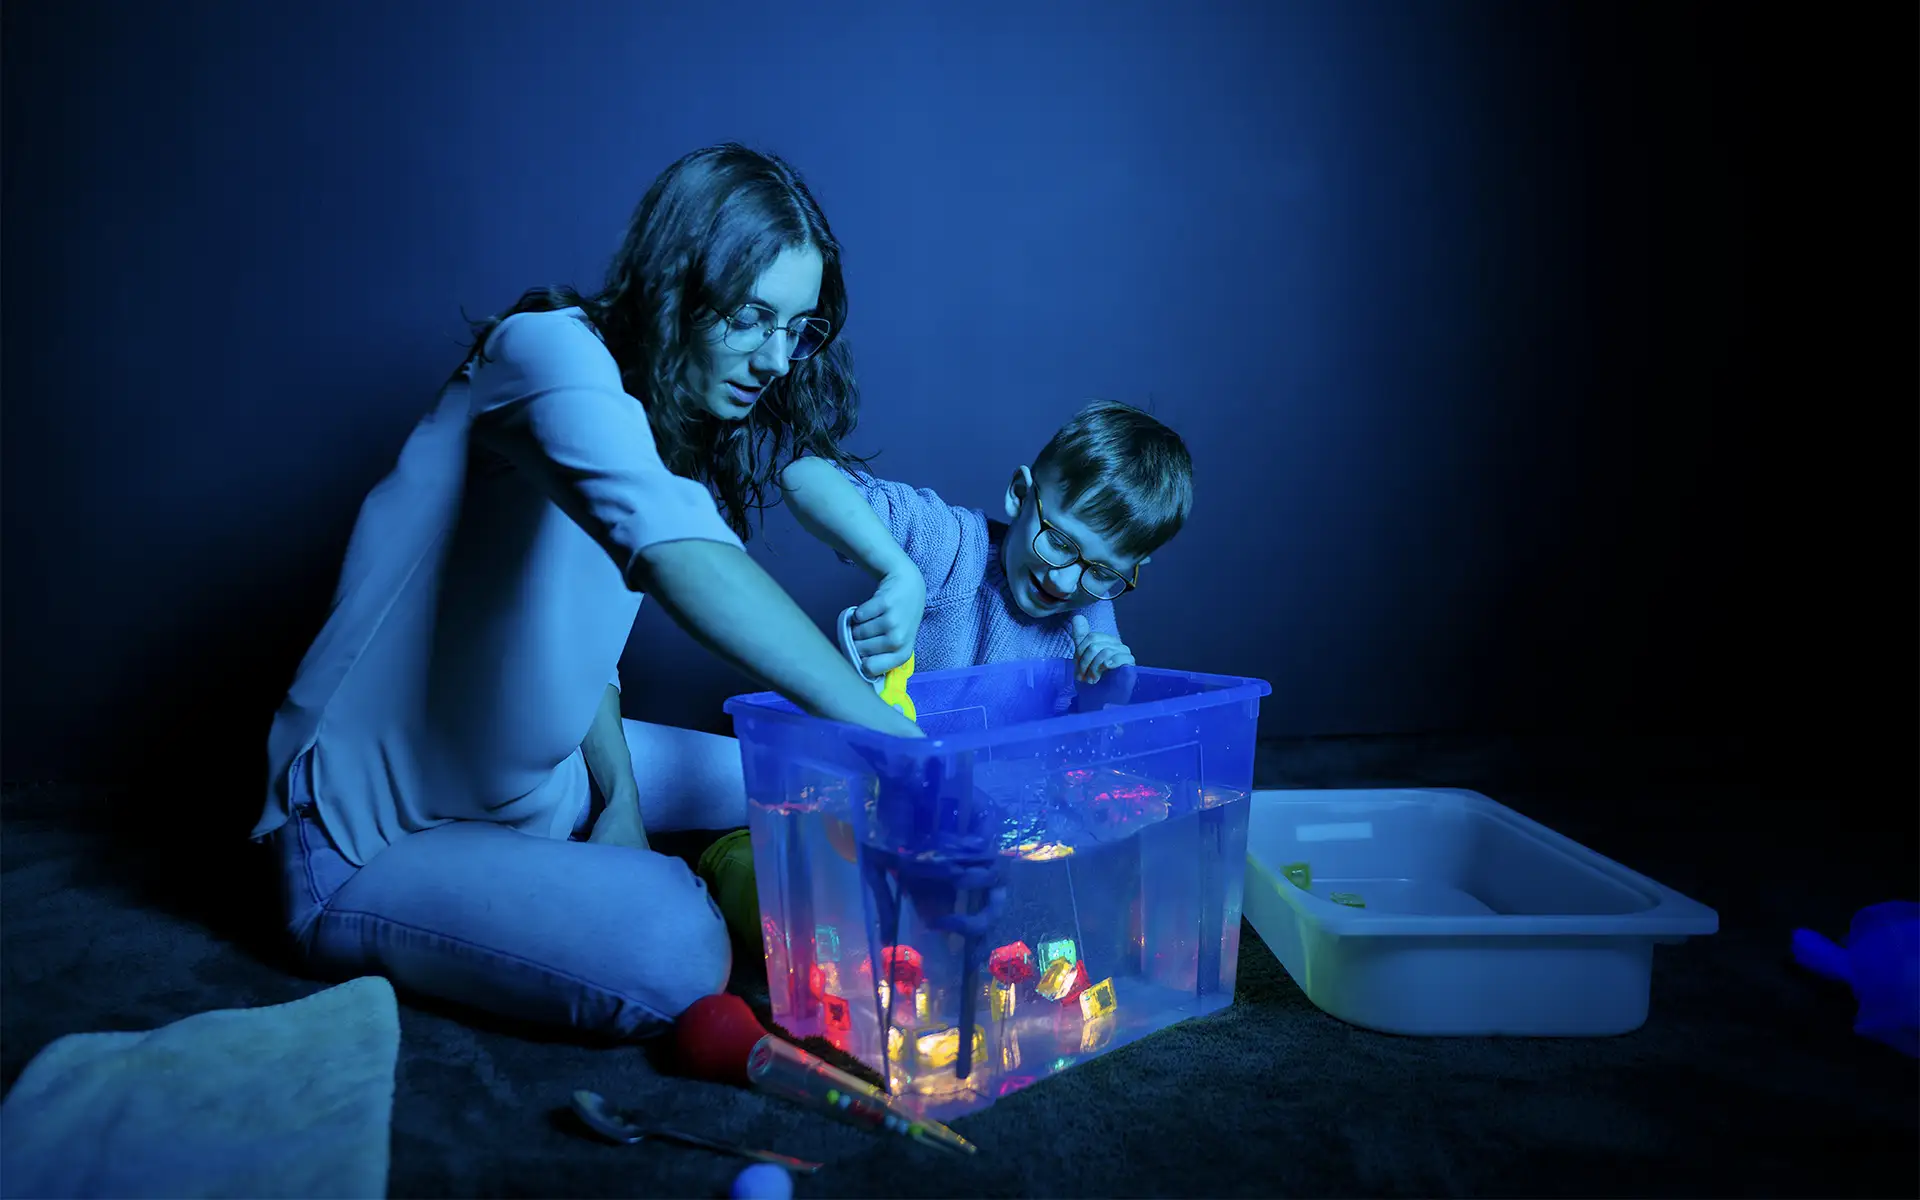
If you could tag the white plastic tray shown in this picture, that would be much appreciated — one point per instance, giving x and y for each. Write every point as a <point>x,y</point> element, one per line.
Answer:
<point>1477,921</point>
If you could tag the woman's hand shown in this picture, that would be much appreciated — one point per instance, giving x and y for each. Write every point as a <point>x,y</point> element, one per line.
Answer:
<point>884,628</point>
<point>1094,654</point>
<point>730,605</point>
<point>619,825</point>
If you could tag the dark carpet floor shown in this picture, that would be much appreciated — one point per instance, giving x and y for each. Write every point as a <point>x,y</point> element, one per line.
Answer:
<point>1745,1081</point>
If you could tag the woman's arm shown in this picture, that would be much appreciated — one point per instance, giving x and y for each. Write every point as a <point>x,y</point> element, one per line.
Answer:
<point>550,401</point>
<point>610,764</point>
<point>733,608</point>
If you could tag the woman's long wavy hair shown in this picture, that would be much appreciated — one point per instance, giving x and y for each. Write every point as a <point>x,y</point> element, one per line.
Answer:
<point>698,242</point>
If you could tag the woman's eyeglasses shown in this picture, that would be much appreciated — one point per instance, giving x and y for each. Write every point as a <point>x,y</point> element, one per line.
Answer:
<point>751,325</point>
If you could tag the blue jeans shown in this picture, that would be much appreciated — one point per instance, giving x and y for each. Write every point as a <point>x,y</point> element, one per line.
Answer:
<point>607,940</point>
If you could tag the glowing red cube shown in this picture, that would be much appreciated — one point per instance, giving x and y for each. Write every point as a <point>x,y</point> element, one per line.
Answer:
<point>839,1022</point>
<point>1012,964</point>
<point>903,966</point>
<point>1079,984</point>
<point>839,1015</point>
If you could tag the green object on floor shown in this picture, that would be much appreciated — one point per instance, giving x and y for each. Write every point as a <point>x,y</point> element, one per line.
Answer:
<point>727,868</point>
<point>1300,875</point>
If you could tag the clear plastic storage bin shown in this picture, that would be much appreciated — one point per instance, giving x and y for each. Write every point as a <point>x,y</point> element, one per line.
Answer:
<point>1055,871</point>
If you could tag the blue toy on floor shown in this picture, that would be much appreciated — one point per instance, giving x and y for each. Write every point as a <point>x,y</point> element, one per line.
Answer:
<point>1881,961</point>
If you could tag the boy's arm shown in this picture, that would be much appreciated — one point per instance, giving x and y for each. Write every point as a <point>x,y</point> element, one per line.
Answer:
<point>830,508</point>
<point>846,514</point>
<point>908,539</point>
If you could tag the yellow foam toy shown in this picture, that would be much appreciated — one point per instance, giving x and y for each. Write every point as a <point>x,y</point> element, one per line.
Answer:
<point>893,689</point>
<point>893,686</point>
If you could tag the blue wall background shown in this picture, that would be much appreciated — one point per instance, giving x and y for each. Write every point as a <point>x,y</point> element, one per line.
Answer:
<point>1507,337</point>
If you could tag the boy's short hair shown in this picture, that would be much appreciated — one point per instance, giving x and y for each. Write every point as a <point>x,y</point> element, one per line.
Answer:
<point>1123,473</point>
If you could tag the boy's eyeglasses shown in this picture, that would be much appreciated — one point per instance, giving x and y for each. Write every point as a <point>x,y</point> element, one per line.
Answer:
<point>751,325</point>
<point>1058,550</point>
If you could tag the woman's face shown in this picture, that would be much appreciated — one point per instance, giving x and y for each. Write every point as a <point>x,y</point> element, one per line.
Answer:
<point>726,381</point>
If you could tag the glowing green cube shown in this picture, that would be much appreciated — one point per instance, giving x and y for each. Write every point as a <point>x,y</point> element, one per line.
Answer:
<point>1056,951</point>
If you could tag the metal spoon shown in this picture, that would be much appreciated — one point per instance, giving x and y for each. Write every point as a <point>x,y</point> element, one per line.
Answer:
<point>619,1128</point>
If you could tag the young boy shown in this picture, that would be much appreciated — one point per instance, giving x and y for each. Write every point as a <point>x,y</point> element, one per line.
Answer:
<point>957,589</point>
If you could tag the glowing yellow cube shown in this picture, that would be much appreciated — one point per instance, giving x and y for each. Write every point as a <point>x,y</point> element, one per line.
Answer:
<point>1001,999</point>
<point>1056,980</point>
<point>1098,1000</point>
<point>936,1050</point>
<point>1042,851</point>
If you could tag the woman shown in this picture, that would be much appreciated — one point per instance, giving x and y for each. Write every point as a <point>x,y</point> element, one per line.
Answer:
<point>454,798</point>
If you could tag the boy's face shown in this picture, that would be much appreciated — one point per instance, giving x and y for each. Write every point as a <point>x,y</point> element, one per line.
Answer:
<point>1040,589</point>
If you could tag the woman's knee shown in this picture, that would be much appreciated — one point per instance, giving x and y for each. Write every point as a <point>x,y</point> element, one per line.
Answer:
<point>677,949</point>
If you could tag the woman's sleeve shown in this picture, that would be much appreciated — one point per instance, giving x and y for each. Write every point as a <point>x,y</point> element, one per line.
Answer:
<point>548,399</point>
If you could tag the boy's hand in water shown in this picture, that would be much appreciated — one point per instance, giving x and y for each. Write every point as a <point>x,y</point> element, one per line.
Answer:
<point>1094,654</point>
<point>884,628</point>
